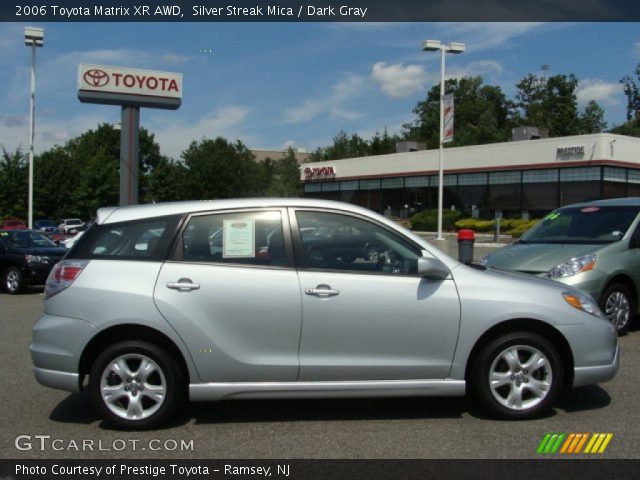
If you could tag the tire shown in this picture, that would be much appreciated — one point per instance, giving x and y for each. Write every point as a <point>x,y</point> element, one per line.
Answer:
<point>12,281</point>
<point>618,305</point>
<point>134,400</point>
<point>522,393</point>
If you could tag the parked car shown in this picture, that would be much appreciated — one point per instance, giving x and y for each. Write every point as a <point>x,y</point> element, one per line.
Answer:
<point>70,224</point>
<point>26,258</point>
<point>594,246</point>
<point>13,224</point>
<point>152,313</point>
<point>45,225</point>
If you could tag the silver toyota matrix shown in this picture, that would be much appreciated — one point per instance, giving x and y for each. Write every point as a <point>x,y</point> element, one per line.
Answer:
<point>272,298</point>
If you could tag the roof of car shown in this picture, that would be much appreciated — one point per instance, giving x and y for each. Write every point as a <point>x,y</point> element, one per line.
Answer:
<point>135,212</point>
<point>610,202</point>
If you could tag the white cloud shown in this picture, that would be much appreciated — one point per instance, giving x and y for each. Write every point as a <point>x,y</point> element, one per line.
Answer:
<point>484,35</point>
<point>333,104</point>
<point>175,58</point>
<point>399,80</point>
<point>483,68</point>
<point>174,135</point>
<point>636,47</point>
<point>288,144</point>
<point>603,92</point>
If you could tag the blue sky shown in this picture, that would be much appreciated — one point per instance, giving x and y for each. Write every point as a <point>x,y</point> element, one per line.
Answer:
<point>272,85</point>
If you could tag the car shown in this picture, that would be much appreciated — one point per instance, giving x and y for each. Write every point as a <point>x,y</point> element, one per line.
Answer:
<point>13,224</point>
<point>26,258</point>
<point>594,246</point>
<point>68,225</point>
<point>45,225</point>
<point>144,313</point>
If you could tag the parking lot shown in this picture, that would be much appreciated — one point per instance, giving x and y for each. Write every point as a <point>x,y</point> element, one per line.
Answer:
<point>370,428</point>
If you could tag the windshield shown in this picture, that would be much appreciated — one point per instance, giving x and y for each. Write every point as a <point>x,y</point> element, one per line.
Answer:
<point>582,225</point>
<point>27,239</point>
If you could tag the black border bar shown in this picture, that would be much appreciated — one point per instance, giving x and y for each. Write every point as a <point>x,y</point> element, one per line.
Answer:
<point>30,11</point>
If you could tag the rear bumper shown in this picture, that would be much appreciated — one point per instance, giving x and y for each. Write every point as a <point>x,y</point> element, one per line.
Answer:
<point>59,380</point>
<point>597,374</point>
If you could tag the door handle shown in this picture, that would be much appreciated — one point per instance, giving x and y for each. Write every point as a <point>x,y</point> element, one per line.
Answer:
<point>183,285</point>
<point>322,291</point>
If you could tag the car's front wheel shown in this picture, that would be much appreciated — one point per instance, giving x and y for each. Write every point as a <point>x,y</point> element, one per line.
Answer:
<point>617,304</point>
<point>518,375</point>
<point>135,385</point>
<point>12,281</point>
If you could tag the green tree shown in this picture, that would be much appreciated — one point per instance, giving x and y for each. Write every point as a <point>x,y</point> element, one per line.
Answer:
<point>13,184</point>
<point>285,177</point>
<point>482,114</point>
<point>56,175</point>
<point>632,93</point>
<point>549,103</point>
<point>166,182</point>
<point>592,119</point>
<point>220,169</point>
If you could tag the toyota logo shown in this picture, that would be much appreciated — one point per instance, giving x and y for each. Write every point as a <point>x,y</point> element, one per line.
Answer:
<point>96,78</point>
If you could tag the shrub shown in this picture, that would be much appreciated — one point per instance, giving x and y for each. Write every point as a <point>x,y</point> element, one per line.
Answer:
<point>427,220</point>
<point>514,227</point>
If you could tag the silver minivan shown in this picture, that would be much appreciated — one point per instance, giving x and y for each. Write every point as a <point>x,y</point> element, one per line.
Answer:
<point>201,301</point>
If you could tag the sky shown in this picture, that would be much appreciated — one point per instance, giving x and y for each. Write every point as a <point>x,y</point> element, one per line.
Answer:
<point>274,85</point>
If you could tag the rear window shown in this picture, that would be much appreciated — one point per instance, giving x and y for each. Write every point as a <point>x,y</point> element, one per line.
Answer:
<point>147,239</point>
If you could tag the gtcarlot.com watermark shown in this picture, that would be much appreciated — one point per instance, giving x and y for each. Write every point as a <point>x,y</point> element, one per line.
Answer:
<point>48,443</point>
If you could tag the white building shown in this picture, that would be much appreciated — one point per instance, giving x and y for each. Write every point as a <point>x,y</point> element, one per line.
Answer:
<point>533,176</point>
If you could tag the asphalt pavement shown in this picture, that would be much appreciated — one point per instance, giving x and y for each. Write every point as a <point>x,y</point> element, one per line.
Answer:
<point>38,422</point>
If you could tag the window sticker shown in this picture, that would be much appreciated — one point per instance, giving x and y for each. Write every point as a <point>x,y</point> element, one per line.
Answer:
<point>552,216</point>
<point>589,210</point>
<point>239,239</point>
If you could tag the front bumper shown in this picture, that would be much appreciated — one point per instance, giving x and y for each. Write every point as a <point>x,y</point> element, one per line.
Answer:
<point>56,347</point>
<point>596,374</point>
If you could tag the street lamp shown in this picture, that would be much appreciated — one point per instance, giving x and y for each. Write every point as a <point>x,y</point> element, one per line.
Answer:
<point>33,37</point>
<point>453,47</point>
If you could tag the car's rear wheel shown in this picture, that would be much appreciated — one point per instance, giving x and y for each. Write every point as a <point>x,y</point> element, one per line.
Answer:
<point>617,304</point>
<point>12,281</point>
<point>517,376</point>
<point>135,385</point>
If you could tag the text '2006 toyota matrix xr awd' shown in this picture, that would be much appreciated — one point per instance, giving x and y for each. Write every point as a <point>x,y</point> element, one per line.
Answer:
<point>297,298</point>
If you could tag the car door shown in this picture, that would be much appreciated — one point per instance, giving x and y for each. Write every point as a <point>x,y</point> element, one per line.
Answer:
<point>235,300</point>
<point>371,318</point>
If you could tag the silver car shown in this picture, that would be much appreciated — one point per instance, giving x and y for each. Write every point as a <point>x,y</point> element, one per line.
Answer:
<point>146,321</point>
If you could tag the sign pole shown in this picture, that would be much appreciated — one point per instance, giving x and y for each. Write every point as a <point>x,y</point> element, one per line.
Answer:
<point>129,150</point>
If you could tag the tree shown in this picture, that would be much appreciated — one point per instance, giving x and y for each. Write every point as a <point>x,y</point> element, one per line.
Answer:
<point>167,181</point>
<point>481,114</point>
<point>220,169</point>
<point>549,103</point>
<point>352,146</point>
<point>56,176</point>
<point>13,184</point>
<point>632,92</point>
<point>592,119</point>
<point>285,176</point>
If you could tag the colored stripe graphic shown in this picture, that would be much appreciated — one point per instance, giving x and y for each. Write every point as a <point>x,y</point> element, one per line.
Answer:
<point>574,442</point>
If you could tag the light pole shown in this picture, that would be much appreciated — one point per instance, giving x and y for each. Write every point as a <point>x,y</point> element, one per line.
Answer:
<point>33,37</point>
<point>453,47</point>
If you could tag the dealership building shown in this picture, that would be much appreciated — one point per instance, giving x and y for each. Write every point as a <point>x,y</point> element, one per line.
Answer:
<point>527,177</point>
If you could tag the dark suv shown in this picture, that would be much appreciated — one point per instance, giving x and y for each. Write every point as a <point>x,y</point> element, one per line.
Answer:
<point>26,258</point>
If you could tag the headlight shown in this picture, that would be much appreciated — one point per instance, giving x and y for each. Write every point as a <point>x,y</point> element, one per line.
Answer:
<point>36,259</point>
<point>574,266</point>
<point>582,302</point>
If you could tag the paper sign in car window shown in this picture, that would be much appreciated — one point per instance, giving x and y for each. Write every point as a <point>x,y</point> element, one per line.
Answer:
<point>238,239</point>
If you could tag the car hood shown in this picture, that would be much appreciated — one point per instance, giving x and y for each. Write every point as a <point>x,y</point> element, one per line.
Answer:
<point>537,257</point>
<point>53,252</point>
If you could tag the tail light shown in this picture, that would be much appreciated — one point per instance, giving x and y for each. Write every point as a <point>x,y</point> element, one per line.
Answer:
<point>62,276</point>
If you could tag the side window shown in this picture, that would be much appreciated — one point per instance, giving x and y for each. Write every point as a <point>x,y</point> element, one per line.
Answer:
<point>134,240</point>
<point>332,241</point>
<point>246,238</point>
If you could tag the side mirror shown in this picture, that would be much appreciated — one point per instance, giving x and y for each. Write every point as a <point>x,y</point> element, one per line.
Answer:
<point>432,268</point>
